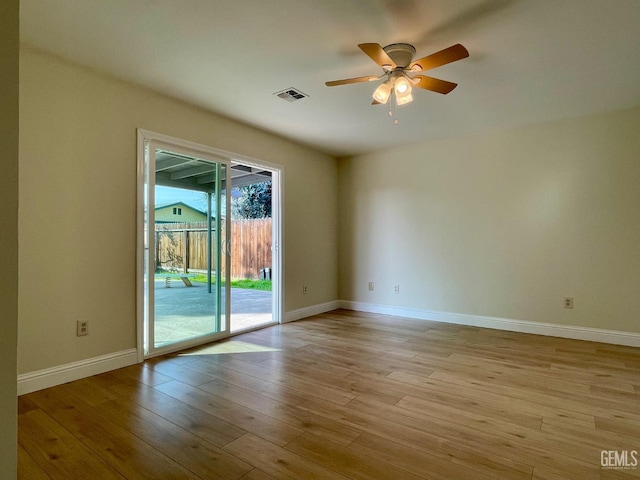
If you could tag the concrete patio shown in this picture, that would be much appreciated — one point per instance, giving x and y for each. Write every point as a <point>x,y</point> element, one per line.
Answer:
<point>183,312</point>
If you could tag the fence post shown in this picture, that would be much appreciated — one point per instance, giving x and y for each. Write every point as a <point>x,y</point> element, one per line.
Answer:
<point>185,250</point>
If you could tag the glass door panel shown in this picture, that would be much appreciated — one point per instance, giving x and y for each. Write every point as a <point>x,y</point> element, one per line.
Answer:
<point>186,292</point>
<point>254,246</point>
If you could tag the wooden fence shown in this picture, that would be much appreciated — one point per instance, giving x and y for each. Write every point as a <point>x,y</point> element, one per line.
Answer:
<point>182,247</point>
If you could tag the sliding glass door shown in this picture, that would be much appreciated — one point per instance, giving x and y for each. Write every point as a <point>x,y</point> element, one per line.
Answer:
<point>185,266</point>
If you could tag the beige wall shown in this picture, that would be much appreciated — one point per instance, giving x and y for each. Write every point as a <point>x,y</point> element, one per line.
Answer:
<point>502,225</point>
<point>9,38</point>
<point>78,206</point>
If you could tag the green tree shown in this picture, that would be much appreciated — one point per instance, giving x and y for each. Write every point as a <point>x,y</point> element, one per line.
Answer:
<point>253,201</point>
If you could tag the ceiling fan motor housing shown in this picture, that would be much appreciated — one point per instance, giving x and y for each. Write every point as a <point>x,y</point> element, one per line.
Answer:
<point>401,53</point>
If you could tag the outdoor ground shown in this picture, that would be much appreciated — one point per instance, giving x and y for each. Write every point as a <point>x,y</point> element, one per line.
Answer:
<point>183,312</point>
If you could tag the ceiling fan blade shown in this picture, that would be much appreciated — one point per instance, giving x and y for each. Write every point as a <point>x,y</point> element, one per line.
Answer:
<point>434,84</point>
<point>448,55</point>
<point>376,102</point>
<point>368,78</point>
<point>378,55</point>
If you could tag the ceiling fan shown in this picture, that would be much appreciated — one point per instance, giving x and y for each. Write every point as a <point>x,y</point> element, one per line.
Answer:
<point>399,69</point>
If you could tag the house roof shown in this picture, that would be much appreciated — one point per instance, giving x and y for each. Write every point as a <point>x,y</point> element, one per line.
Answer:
<point>530,60</point>
<point>178,204</point>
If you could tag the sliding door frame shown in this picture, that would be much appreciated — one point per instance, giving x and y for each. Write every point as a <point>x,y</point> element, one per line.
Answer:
<point>149,138</point>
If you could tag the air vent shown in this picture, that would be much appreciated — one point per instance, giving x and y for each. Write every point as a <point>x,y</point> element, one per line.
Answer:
<point>291,94</point>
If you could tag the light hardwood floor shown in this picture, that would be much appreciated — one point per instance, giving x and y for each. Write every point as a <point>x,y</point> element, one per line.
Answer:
<point>346,395</point>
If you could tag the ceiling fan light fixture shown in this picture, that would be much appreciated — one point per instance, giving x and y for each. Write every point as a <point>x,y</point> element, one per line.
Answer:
<point>402,86</point>
<point>404,99</point>
<point>382,93</point>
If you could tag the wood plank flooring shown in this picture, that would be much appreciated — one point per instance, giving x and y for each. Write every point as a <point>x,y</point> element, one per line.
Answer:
<point>346,395</point>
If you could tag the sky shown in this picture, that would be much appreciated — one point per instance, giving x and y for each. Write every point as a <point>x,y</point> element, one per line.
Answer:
<point>195,199</point>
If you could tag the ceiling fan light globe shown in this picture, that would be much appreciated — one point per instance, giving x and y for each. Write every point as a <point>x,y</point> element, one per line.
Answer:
<point>404,99</point>
<point>402,86</point>
<point>382,93</point>
<point>403,89</point>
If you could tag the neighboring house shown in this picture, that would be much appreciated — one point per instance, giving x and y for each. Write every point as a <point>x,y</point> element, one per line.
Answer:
<point>179,212</point>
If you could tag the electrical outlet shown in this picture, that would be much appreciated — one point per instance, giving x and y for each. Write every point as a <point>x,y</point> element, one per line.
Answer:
<point>568,302</point>
<point>396,289</point>
<point>371,286</point>
<point>83,328</point>
<point>305,289</point>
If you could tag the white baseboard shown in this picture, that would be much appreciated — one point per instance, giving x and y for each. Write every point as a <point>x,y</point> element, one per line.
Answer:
<point>310,311</point>
<point>31,382</point>
<point>539,328</point>
<point>49,377</point>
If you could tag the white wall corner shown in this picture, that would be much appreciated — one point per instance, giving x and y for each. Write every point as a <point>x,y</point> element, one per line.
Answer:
<point>50,377</point>
<point>615,337</point>
<point>294,315</point>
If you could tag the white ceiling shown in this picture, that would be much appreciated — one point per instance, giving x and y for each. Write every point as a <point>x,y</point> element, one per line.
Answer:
<point>530,60</point>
